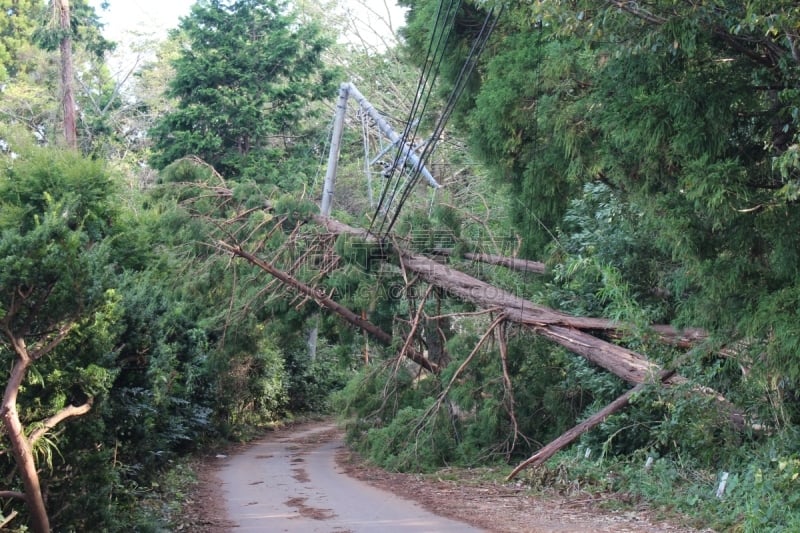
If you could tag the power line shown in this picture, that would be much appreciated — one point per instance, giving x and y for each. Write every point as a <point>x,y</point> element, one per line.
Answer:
<point>479,44</point>
<point>440,34</point>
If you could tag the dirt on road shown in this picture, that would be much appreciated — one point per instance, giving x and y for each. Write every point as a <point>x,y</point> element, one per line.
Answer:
<point>468,495</point>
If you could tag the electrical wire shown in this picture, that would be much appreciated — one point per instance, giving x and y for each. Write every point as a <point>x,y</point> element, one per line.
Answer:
<point>458,88</point>
<point>479,44</point>
<point>441,28</point>
<point>435,65</point>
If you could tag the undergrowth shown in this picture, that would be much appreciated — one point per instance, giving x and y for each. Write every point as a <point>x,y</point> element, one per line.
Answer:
<point>760,494</point>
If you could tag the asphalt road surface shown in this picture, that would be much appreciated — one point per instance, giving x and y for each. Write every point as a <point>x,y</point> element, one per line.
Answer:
<point>292,483</point>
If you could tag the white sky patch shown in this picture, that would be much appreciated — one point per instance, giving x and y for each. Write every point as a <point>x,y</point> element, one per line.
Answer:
<point>134,23</point>
<point>126,18</point>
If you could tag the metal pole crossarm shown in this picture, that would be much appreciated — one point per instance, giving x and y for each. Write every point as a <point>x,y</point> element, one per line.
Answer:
<point>409,157</point>
<point>387,130</point>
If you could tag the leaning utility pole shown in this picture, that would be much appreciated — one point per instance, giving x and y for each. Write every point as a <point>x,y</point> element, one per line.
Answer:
<point>408,156</point>
<point>345,91</point>
<point>333,155</point>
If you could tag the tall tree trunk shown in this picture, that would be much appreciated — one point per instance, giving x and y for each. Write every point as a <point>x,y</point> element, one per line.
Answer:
<point>67,89</point>
<point>20,444</point>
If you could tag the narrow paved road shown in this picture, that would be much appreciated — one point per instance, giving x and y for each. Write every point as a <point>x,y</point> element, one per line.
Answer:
<point>291,483</point>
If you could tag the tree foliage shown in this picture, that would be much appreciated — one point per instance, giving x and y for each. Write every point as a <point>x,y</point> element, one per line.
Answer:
<point>57,309</point>
<point>16,30</point>
<point>648,153</point>
<point>651,155</point>
<point>687,113</point>
<point>243,83</point>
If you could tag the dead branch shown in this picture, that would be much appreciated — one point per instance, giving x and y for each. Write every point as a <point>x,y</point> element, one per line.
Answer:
<point>508,387</point>
<point>13,514</point>
<point>327,302</point>
<point>568,437</point>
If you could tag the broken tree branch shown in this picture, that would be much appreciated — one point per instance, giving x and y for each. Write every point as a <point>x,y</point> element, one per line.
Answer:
<point>567,438</point>
<point>327,302</point>
<point>13,514</point>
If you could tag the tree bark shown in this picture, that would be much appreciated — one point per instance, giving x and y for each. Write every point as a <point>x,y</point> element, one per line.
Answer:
<point>567,438</point>
<point>521,265</point>
<point>69,411</point>
<point>20,445</point>
<point>513,263</point>
<point>67,83</point>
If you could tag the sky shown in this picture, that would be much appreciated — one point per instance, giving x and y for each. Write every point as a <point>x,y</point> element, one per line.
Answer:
<point>158,16</point>
<point>130,21</point>
<point>148,16</point>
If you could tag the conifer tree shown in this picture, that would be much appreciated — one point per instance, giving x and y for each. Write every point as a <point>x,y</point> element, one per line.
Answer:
<point>16,29</point>
<point>243,81</point>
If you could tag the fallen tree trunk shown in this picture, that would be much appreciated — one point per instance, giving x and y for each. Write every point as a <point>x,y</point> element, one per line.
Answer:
<point>561,328</point>
<point>325,301</point>
<point>521,265</point>
<point>518,309</point>
<point>567,438</point>
<point>529,313</point>
<point>513,263</point>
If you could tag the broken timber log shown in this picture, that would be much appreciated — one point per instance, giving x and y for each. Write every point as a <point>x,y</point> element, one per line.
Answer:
<point>567,438</point>
<point>327,302</point>
<point>561,328</point>
<point>513,263</point>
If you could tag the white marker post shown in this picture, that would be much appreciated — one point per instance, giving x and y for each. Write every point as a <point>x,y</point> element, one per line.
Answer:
<point>723,480</point>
